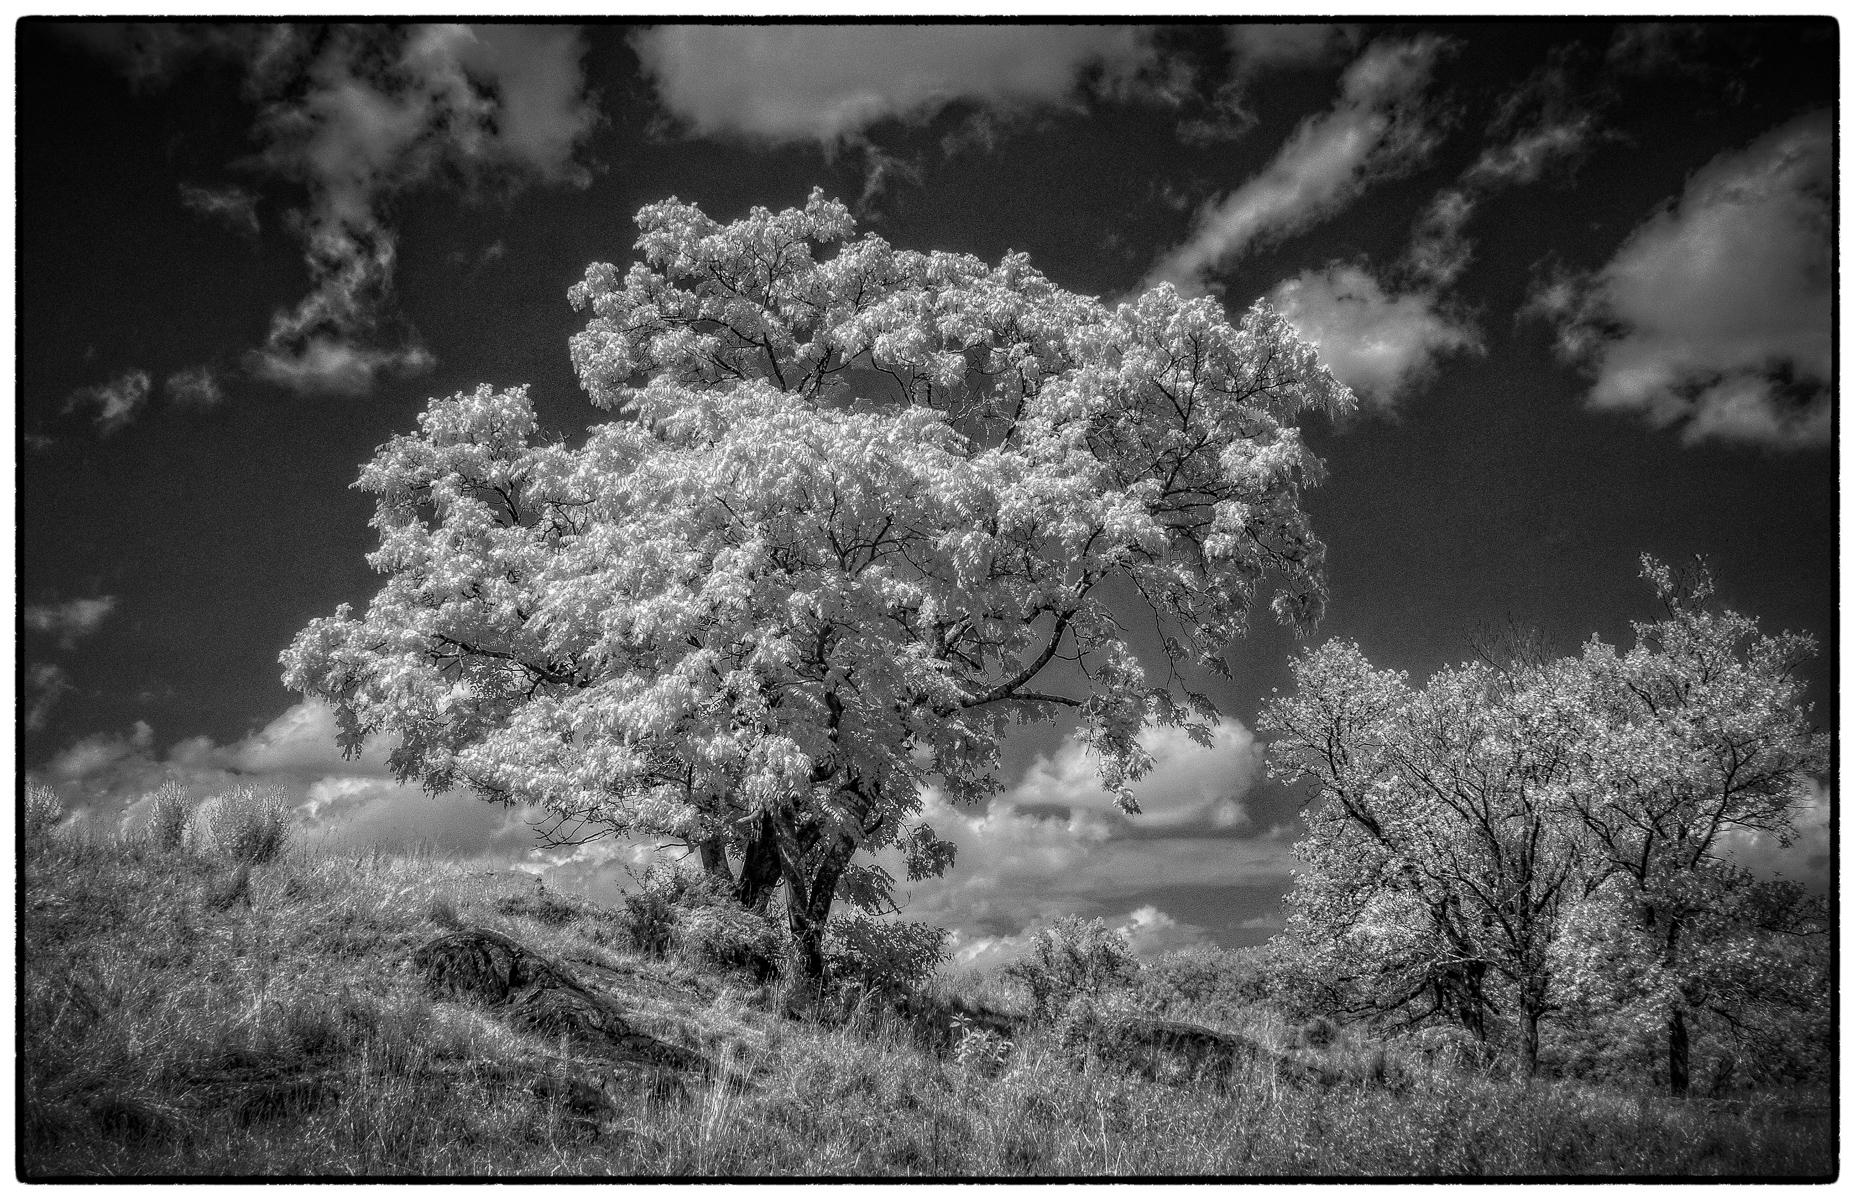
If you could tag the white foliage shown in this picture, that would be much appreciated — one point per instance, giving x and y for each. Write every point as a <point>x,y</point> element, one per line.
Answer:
<point>849,509</point>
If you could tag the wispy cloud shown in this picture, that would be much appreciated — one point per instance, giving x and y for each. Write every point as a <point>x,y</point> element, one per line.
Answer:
<point>1650,47</point>
<point>1379,343</point>
<point>1379,127</point>
<point>115,403</point>
<point>1265,46</point>
<point>1524,159</point>
<point>795,83</point>
<point>70,620</point>
<point>1440,248</point>
<point>194,387</point>
<point>232,205</point>
<point>1714,315</point>
<point>1384,335</point>
<point>358,114</point>
<point>46,684</point>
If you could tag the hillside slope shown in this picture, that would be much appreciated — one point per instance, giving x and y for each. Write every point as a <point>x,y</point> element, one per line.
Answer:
<point>183,1015</point>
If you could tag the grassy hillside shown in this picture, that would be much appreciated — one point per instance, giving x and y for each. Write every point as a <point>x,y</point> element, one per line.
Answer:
<point>186,1015</point>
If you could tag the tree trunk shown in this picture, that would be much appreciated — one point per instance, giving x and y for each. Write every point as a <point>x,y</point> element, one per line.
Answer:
<point>759,867</point>
<point>808,907</point>
<point>715,859</point>
<point>1677,1052</point>
<point>1529,1044</point>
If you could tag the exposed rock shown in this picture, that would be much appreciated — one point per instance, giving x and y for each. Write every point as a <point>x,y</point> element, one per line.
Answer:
<point>540,995</point>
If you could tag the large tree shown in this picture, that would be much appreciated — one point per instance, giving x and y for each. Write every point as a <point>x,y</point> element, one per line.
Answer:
<point>858,510</point>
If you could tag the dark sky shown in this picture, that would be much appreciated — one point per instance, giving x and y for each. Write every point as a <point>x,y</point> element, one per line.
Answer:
<point>1579,272</point>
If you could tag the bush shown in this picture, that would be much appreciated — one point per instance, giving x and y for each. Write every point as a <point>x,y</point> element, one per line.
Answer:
<point>896,958</point>
<point>168,814</point>
<point>728,936</point>
<point>243,825</point>
<point>1318,1033</point>
<point>1073,959</point>
<point>1204,981</point>
<point>652,913</point>
<point>542,906</point>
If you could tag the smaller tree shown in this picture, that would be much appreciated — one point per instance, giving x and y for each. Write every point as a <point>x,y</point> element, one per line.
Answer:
<point>1703,733</point>
<point>1438,871</point>
<point>1752,978</point>
<point>1521,835</point>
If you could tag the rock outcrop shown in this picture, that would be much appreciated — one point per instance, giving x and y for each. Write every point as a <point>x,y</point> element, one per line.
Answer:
<point>538,995</point>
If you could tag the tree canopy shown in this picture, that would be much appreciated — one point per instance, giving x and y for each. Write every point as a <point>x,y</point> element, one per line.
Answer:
<point>1521,838</point>
<point>857,511</point>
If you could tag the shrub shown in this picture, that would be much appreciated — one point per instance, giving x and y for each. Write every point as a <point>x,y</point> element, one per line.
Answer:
<point>442,912</point>
<point>43,810</point>
<point>1070,959</point>
<point>544,907</point>
<point>728,936</point>
<point>892,957</point>
<point>651,913</point>
<point>1318,1033</point>
<point>168,814</point>
<point>243,825</point>
<point>1204,981</point>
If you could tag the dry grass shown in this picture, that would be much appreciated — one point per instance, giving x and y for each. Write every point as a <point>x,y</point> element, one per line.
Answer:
<point>168,1030</point>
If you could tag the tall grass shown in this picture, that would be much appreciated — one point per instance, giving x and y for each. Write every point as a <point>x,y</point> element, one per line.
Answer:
<point>170,811</point>
<point>164,1033</point>
<point>42,810</point>
<point>244,825</point>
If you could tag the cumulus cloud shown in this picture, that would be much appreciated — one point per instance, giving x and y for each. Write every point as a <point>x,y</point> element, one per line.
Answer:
<point>100,754</point>
<point>69,620</point>
<point>1151,932</point>
<point>795,83</point>
<point>1715,314</point>
<point>107,778</point>
<point>357,115</point>
<point>1379,127</point>
<point>1189,785</point>
<point>194,387</point>
<point>1378,343</point>
<point>1148,930</point>
<point>115,403</point>
<point>1053,844</point>
<point>1806,860</point>
<point>234,206</point>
